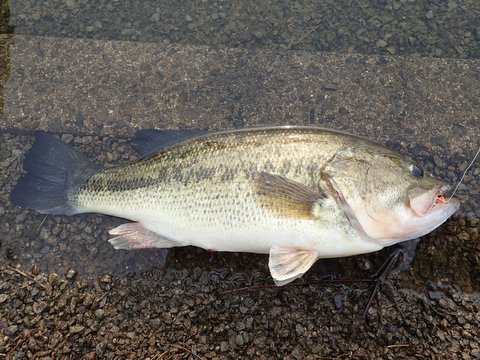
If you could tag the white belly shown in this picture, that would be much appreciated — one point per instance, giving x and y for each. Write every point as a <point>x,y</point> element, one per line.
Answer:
<point>241,225</point>
<point>259,237</point>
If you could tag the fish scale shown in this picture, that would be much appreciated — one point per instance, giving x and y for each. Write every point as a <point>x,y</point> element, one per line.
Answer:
<point>169,172</point>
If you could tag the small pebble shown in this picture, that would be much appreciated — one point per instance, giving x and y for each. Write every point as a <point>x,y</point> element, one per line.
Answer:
<point>45,249</point>
<point>76,329</point>
<point>11,330</point>
<point>435,295</point>
<point>22,216</point>
<point>100,349</point>
<point>391,50</point>
<point>239,340</point>
<point>70,274</point>
<point>337,299</point>
<point>381,43</point>
<point>39,307</point>
<point>223,346</point>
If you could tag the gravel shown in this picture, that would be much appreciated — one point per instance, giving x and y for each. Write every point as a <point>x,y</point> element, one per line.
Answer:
<point>168,313</point>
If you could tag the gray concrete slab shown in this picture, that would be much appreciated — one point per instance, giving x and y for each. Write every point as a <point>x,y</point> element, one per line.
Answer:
<point>114,87</point>
<point>413,27</point>
<point>426,108</point>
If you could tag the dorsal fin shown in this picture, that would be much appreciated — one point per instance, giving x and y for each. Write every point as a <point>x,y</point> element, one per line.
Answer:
<point>148,141</point>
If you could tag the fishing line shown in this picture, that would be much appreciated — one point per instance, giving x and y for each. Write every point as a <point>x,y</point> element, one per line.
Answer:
<point>463,175</point>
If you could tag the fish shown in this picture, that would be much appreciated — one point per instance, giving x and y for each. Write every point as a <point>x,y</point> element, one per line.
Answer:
<point>296,193</point>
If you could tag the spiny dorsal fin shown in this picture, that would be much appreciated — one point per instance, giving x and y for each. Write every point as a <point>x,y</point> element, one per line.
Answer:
<point>285,197</point>
<point>148,141</point>
<point>288,264</point>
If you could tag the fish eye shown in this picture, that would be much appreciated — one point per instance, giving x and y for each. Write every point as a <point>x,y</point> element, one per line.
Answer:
<point>416,171</point>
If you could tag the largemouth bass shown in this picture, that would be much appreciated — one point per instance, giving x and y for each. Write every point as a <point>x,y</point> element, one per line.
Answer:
<point>295,193</point>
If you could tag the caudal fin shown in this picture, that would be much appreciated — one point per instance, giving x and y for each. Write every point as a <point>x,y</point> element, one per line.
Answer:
<point>54,170</point>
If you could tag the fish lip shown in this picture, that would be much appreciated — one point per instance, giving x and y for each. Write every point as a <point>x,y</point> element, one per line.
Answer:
<point>452,202</point>
<point>431,195</point>
<point>443,189</point>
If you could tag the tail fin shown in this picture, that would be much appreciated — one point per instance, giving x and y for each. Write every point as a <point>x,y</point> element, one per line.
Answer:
<point>54,170</point>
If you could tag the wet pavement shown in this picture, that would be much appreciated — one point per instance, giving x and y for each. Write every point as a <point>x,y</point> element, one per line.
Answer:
<point>66,293</point>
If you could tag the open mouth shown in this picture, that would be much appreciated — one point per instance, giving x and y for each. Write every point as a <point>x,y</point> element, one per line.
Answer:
<point>424,202</point>
<point>440,196</point>
<point>430,207</point>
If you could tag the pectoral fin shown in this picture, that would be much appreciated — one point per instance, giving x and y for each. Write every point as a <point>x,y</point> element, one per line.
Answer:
<point>134,236</point>
<point>288,264</point>
<point>285,197</point>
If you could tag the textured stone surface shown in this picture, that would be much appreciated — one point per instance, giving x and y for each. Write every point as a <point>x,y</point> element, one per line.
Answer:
<point>173,314</point>
<point>110,87</point>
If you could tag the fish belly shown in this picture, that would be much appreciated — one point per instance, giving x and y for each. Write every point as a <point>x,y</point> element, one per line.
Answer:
<point>229,218</point>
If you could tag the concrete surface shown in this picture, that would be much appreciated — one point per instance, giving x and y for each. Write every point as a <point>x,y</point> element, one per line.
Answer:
<point>114,87</point>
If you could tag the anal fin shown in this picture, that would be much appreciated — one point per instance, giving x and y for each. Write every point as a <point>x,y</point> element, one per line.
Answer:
<point>288,264</point>
<point>132,236</point>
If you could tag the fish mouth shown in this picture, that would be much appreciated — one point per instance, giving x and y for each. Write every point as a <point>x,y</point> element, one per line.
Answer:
<point>425,202</point>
